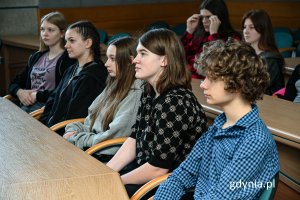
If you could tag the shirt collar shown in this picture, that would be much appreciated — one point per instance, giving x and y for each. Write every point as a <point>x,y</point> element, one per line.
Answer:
<point>243,123</point>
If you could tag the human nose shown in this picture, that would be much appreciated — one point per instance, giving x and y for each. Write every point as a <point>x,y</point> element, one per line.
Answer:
<point>66,45</point>
<point>246,29</point>
<point>204,84</point>
<point>135,60</point>
<point>205,18</point>
<point>43,32</point>
<point>106,63</point>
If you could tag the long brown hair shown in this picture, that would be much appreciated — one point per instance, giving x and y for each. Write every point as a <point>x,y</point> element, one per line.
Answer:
<point>59,20</point>
<point>263,25</point>
<point>164,42</point>
<point>117,87</point>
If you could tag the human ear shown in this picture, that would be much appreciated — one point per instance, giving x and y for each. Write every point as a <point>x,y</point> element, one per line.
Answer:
<point>62,33</point>
<point>164,61</point>
<point>88,43</point>
<point>132,58</point>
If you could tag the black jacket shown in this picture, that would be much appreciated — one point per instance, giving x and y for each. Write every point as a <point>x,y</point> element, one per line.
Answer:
<point>23,81</point>
<point>75,93</point>
<point>275,69</point>
<point>291,91</point>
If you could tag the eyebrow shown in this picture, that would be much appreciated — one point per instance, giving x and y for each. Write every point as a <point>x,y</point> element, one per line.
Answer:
<point>69,38</point>
<point>141,50</point>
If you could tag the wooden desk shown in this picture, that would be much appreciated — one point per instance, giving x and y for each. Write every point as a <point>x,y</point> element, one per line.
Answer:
<point>36,164</point>
<point>15,51</point>
<point>282,118</point>
<point>290,64</point>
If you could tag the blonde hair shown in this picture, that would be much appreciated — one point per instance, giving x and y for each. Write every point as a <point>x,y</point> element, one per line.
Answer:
<point>59,20</point>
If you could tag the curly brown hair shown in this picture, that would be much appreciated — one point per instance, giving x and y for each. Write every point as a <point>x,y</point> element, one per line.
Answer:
<point>241,69</point>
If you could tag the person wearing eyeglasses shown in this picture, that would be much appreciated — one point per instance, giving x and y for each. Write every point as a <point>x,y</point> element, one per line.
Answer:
<point>212,23</point>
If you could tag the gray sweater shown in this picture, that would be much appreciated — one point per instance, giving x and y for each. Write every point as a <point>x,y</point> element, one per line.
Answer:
<point>120,126</point>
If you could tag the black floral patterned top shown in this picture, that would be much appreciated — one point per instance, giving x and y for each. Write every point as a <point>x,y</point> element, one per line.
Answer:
<point>167,127</point>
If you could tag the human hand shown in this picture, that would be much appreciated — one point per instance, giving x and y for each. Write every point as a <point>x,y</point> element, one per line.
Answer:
<point>192,23</point>
<point>33,95</point>
<point>25,97</point>
<point>67,135</point>
<point>214,24</point>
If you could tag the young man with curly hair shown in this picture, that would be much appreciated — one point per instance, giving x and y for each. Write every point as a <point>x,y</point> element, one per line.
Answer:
<point>237,157</point>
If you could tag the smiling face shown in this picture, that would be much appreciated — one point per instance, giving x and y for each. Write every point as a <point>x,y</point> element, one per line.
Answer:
<point>251,36</point>
<point>148,66</point>
<point>75,45</point>
<point>51,35</point>
<point>111,64</point>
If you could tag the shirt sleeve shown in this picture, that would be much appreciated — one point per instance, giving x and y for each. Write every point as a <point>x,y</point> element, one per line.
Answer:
<point>291,91</point>
<point>213,37</point>
<point>184,177</point>
<point>119,127</point>
<point>141,105</point>
<point>19,82</point>
<point>276,76</point>
<point>248,165</point>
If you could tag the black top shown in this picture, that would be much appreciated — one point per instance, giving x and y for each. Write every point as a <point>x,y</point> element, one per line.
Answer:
<point>275,68</point>
<point>75,93</point>
<point>291,91</point>
<point>167,127</point>
<point>23,80</point>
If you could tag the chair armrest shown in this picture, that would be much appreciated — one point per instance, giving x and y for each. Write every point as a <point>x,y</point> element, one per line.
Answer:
<point>37,113</point>
<point>149,186</point>
<point>9,97</point>
<point>62,124</point>
<point>287,49</point>
<point>105,144</point>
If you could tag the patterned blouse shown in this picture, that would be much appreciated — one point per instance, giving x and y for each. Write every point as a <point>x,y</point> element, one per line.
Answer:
<point>167,127</point>
<point>193,47</point>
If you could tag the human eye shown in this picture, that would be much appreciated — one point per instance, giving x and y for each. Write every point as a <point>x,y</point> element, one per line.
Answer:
<point>71,40</point>
<point>143,53</point>
<point>42,29</point>
<point>111,58</point>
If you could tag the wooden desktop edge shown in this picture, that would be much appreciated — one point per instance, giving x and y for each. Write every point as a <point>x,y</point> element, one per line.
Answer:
<point>289,140</point>
<point>22,41</point>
